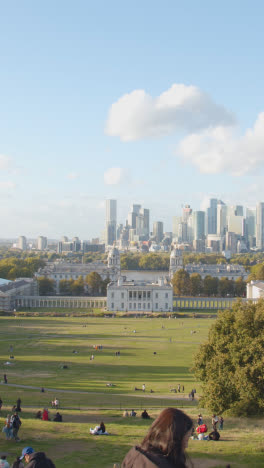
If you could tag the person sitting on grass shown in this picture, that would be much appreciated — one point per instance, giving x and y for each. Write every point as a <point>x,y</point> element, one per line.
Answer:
<point>99,430</point>
<point>145,415</point>
<point>133,413</point>
<point>58,417</point>
<point>38,415</point>
<point>125,414</point>
<point>214,435</point>
<point>165,443</point>
<point>45,414</point>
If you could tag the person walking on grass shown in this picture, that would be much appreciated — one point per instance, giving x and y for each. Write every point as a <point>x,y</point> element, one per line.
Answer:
<point>36,459</point>
<point>221,423</point>
<point>16,423</point>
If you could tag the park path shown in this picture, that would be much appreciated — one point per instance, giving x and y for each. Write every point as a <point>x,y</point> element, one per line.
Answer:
<point>58,390</point>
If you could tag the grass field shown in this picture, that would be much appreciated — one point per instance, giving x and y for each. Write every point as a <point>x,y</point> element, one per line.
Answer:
<point>42,345</point>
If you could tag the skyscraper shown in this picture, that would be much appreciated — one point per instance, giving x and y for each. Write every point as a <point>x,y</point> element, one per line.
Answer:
<point>158,230</point>
<point>260,226</point>
<point>42,243</point>
<point>212,216</point>
<point>22,243</point>
<point>110,222</point>
<point>199,225</point>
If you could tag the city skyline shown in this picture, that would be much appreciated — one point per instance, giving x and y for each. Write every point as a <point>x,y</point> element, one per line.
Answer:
<point>153,104</point>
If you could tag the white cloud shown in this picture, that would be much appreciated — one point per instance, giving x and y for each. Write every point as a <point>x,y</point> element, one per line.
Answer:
<point>138,115</point>
<point>5,162</point>
<point>7,185</point>
<point>72,176</point>
<point>223,149</point>
<point>115,176</point>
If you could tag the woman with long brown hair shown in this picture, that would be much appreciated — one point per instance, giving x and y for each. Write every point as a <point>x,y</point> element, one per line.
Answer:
<point>165,443</point>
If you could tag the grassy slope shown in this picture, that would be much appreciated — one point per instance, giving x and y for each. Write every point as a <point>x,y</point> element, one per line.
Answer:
<point>42,344</point>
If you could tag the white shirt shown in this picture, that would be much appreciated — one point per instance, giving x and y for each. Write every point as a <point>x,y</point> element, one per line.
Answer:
<point>4,464</point>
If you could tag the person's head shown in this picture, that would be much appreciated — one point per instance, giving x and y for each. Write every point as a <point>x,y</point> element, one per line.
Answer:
<point>169,435</point>
<point>26,453</point>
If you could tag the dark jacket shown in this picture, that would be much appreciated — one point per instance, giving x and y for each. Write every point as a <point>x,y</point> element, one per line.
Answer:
<point>138,458</point>
<point>39,460</point>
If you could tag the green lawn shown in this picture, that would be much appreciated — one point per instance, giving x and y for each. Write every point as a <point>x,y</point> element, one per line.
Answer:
<point>42,345</point>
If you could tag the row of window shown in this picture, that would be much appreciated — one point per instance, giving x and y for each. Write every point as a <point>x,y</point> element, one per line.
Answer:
<point>139,295</point>
<point>139,306</point>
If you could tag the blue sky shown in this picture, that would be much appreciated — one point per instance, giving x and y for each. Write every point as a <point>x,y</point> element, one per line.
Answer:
<point>75,129</point>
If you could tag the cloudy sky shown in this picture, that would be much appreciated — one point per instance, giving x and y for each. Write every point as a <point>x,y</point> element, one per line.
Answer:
<point>158,103</point>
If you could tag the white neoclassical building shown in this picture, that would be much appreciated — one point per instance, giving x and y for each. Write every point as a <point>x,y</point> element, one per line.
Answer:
<point>62,270</point>
<point>139,296</point>
<point>255,290</point>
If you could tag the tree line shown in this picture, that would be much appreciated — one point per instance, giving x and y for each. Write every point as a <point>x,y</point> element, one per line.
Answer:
<point>185,284</point>
<point>92,284</point>
<point>12,268</point>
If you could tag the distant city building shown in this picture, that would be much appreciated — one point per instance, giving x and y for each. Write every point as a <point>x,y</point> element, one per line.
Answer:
<point>22,243</point>
<point>42,243</point>
<point>138,220</point>
<point>212,217</point>
<point>110,221</point>
<point>158,230</point>
<point>260,226</point>
<point>139,296</point>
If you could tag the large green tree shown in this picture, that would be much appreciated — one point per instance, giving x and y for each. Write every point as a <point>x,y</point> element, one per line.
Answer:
<point>46,286</point>
<point>196,284</point>
<point>95,282</point>
<point>181,283</point>
<point>230,363</point>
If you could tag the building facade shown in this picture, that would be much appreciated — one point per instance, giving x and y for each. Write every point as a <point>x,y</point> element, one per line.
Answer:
<point>11,291</point>
<point>139,296</point>
<point>61,270</point>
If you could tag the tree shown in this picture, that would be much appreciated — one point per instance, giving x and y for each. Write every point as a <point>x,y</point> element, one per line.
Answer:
<point>181,283</point>
<point>230,363</point>
<point>257,272</point>
<point>210,286</point>
<point>77,286</point>
<point>46,286</point>
<point>196,284</point>
<point>65,287</point>
<point>240,287</point>
<point>94,280</point>
<point>106,281</point>
<point>225,287</point>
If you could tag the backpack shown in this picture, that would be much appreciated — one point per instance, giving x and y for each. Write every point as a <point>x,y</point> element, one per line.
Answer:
<point>201,429</point>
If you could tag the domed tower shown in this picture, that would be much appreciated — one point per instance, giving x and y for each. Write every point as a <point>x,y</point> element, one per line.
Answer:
<point>114,260</point>
<point>176,261</point>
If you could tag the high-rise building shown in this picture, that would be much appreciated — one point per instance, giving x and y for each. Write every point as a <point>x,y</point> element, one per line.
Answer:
<point>222,212</point>
<point>158,230</point>
<point>250,227</point>
<point>110,222</point>
<point>132,216</point>
<point>199,225</point>
<point>22,243</point>
<point>212,217</point>
<point>42,243</point>
<point>260,226</point>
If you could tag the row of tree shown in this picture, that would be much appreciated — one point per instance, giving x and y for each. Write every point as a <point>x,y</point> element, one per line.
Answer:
<point>194,285</point>
<point>92,284</point>
<point>12,268</point>
<point>149,261</point>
